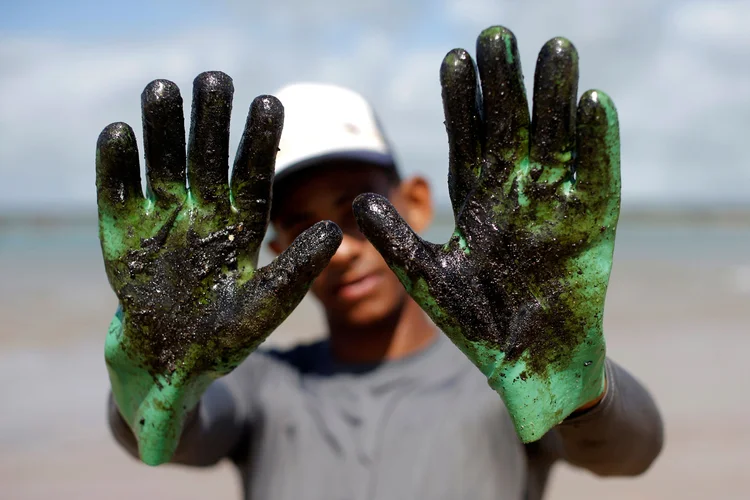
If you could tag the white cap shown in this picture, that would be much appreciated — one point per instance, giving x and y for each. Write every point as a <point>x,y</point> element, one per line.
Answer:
<point>324,122</point>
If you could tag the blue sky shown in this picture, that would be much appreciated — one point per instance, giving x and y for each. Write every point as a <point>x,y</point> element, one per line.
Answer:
<point>88,20</point>
<point>67,69</point>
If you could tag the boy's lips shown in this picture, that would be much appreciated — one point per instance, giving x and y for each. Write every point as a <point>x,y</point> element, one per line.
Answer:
<point>358,288</point>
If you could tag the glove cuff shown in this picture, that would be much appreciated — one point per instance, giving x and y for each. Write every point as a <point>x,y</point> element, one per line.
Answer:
<point>538,401</point>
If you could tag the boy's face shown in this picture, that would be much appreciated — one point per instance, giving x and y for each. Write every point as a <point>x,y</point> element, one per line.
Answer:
<point>357,288</point>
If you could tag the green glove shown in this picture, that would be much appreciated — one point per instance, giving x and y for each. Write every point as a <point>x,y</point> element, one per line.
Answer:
<point>520,286</point>
<point>183,262</point>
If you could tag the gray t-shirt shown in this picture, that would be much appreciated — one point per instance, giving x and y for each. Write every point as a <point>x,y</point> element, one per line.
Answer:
<point>298,425</point>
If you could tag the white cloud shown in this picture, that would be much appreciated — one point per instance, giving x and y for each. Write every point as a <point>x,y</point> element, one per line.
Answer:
<point>671,67</point>
<point>721,22</point>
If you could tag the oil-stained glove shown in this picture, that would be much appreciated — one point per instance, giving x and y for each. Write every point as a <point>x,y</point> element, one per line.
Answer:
<point>520,286</point>
<point>183,261</point>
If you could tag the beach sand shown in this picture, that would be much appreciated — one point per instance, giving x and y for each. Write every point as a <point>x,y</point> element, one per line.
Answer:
<point>677,316</point>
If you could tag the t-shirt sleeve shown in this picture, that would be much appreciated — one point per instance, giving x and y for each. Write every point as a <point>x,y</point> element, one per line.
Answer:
<point>221,423</point>
<point>621,436</point>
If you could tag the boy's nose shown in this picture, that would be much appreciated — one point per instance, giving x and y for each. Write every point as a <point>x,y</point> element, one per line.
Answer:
<point>348,251</point>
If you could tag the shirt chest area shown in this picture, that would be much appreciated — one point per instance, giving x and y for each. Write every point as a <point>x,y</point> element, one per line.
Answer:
<point>350,438</point>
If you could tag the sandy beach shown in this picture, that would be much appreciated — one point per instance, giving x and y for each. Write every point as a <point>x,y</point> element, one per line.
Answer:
<point>677,316</point>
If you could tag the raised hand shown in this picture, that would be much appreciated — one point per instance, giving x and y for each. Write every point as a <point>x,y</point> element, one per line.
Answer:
<point>183,261</point>
<point>520,286</point>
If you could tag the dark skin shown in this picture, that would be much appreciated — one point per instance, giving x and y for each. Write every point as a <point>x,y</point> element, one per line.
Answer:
<point>370,316</point>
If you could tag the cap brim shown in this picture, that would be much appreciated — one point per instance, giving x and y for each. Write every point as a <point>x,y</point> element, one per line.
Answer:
<point>384,160</point>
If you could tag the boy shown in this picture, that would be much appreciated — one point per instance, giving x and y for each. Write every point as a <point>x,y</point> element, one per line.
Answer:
<point>387,407</point>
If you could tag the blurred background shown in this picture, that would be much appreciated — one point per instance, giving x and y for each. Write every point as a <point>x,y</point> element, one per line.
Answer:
<point>678,309</point>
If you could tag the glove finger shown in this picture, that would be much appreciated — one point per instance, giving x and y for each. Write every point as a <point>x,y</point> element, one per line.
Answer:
<point>164,142</point>
<point>463,123</point>
<point>506,110</point>
<point>276,289</point>
<point>423,269</point>
<point>554,116</point>
<point>118,186</point>
<point>118,177</point>
<point>403,250</point>
<point>597,182</point>
<point>253,170</point>
<point>208,147</point>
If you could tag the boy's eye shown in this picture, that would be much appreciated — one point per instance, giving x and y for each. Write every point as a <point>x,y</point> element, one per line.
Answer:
<point>298,229</point>
<point>293,227</point>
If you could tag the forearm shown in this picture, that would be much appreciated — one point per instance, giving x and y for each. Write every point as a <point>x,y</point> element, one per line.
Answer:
<point>211,431</point>
<point>621,435</point>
